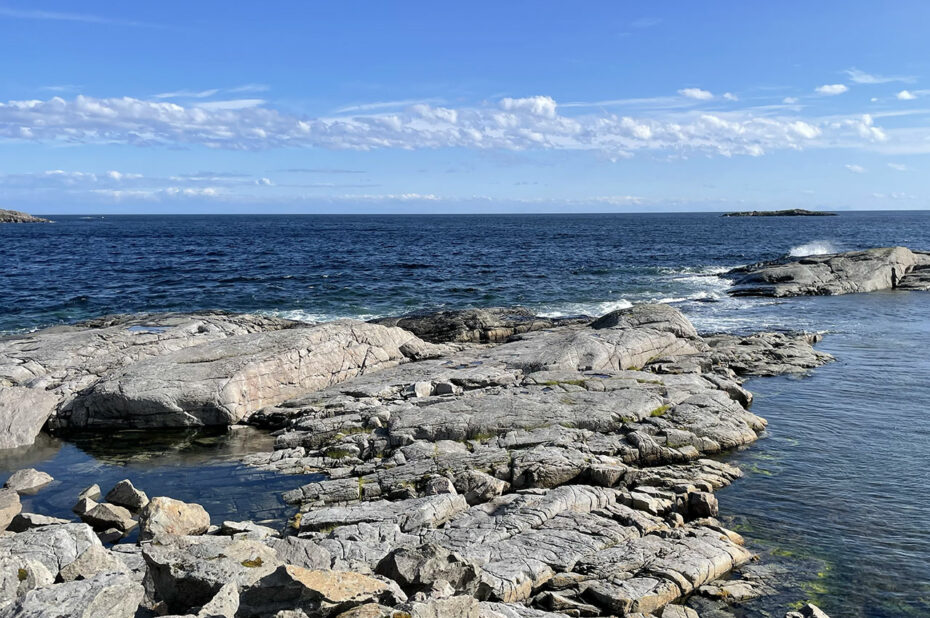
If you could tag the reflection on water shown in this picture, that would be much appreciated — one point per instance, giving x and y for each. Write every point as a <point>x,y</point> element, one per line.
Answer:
<point>199,466</point>
<point>837,490</point>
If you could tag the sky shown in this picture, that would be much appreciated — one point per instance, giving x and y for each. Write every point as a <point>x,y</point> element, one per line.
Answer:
<point>281,107</point>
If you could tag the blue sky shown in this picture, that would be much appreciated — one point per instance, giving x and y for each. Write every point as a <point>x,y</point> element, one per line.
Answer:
<point>416,106</point>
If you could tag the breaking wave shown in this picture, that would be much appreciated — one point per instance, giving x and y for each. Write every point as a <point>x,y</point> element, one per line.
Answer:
<point>815,247</point>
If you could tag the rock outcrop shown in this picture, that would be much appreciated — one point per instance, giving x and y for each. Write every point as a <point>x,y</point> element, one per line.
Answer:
<point>15,216</point>
<point>843,273</point>
<point>172,370</point>
<point>563,472</point>
<point>486,325</point>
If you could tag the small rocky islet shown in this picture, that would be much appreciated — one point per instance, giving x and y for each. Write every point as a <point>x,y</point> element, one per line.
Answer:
<point>793,212</point>
<point>476,463</point>
<point>15,216</point>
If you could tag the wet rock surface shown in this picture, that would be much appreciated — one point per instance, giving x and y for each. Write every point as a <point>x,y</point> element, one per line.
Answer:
<point>566,471</point>
<point>843,273</point>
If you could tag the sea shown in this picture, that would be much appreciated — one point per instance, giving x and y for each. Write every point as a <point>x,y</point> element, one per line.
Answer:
<point>835,497</point>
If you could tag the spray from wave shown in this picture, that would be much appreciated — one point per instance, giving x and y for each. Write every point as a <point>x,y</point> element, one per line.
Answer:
<point>815,247</point>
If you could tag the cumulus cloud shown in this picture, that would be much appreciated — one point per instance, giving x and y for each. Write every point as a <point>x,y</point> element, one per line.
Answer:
<point>729,96</point>
<point>512,124</point>
<point>855,169</point>
<point>789,100</point>
<point>906,95</point>
<point>696,93</point>
<point>900,167</point>
<point>831,89</point>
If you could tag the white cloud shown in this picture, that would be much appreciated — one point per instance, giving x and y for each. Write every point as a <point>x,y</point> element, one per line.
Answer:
<point>264,182</point>
<point>900,167</point>
<point>831,89</point>
<point>531,123</point>
<point>696,93</point>
<point>855,169</point>
<point>789,100</point>
<point>861,77</point>
<point>60,16</point>
<point>906,95</point>
<point>729,96</point>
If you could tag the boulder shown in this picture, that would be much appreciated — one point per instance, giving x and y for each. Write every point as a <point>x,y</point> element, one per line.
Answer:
<point>168,517</point>
<point>188,571</point>
<point>125,495</point>
<point>19,574</point>
<point>28,521</point>
<point>54,546</point>
<point>28,481</point>
<point>113,595</point>
<point>10,507</point>
<point>23,412</point>
<point>92,561</point>
<point>420,569</point>
<point>104,516</point>
<point>92,492</point>
<point>83,505</point>
<point>324,593</point>
<point>809,610</point>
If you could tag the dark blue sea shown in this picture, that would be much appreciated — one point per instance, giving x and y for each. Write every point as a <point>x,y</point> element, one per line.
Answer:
<point>835,494</point>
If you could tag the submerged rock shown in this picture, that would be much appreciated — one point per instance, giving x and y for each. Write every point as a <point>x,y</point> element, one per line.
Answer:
<point>842,273</point>
<point>28,481</point>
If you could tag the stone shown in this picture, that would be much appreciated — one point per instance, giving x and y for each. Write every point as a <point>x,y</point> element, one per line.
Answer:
<point>125,495</point>
<point>300,552</point>
<point>83,505</point>
<point>222,382</point>
<point>492,324</point>
<point>246,529</point>
<point>453,607</point>
<point>23,412</point>
<point>188,571</point>
<point>702,504</point>
<point>809,610</point>
<point>93,560</point>
<point>55,546</point>
<point>42,372</point>
<point>19,574</point>
<point>28,481</point>
<point>168,517</point>
<point>842,273</point>
<point>678,611</point>
<point>419,569</point>
<point>10,507</point>
<point>224,604</point>
<point>325,593</point>
<point>28,521</point>
<point>105,516</point>
<point>477,486</point>
<point>113,595</point>
<point>92,492</point>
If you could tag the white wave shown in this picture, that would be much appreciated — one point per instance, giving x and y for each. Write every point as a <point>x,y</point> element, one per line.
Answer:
<point>299,315</point>
<point>592,309</point>
<point>815,247</point>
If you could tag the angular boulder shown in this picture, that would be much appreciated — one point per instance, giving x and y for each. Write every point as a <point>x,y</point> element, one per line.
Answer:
<point>125,495</point>
<point>113,595</point>
<point>168,517</point>
<point>485,325</point>
<point>10,507</point>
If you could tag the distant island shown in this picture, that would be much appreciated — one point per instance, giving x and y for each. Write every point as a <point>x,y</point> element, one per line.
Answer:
<point>15,216</point>
<point>794,212</point>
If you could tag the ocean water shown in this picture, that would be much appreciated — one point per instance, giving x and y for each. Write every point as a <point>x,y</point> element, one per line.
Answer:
<point>835,494</point>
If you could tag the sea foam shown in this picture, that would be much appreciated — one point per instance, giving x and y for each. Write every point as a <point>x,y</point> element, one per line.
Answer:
<point>815,247</point>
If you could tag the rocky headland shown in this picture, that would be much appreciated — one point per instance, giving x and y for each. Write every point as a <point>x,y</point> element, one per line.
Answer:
<point>480,463</point>
<point>842,273</point>
<point>794,212</point>
<point>15,216</point>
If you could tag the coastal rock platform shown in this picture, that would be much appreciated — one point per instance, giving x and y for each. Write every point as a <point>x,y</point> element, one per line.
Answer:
<point>564,470</point>
<point>842,273</point>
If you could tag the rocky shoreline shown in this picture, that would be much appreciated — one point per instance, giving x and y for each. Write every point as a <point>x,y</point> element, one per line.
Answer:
<point>15,216</point>
<point>794,212</point>
<point>477,463</point>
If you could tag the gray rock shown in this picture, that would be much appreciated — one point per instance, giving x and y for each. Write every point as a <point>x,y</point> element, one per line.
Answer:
<point>420,569</point>
<point>10,507</point>
<point>105,516</point>
<point>188,571</point>
<point>114,595</point>
<point>246,529</point>
<point>83,505</point>
<point>42,372</point>
<point>807,611</point>
<point>28,481</point>
<point>492,324</point>
<point>19,574</point>
<point>16,216</point>
<point>125,495</point>
<point>55,546</point>
<point>222,382</point>
<point>843,273</point>
<point>92,492</point>
<point>28,521</point>
<point>92,561</point>
<point>224,604</point>
<point>300,552</point>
